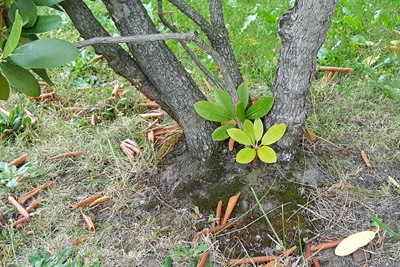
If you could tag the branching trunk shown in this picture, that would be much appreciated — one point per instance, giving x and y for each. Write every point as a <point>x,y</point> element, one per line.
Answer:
<point>302,30</point>
<point>153,68</point>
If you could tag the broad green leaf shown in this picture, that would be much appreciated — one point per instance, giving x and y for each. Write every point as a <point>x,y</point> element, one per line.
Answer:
<point>47,2</point>
<point>20,78</point>
<point>43,74</point>
<point>240,111</point>
<point>64,255</point>
<point>212,112</point>
<point>44,53</point>
<point>43,24</point>
<point>246,155</point>
<point>14,36</point>
<point>274,134</point>
<point>266,154</point>
<point>258,129</point>
<point>243,94</point>
<point>221,133</point>
<point>240,136</point>
<point>27,10</point>
<point>224,99</point>
<point>4,88</point>
<point>248,128</point>
<point>260,108</point>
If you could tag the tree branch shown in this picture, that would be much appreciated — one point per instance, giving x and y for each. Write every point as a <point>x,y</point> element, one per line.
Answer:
<point>173,28</point>
<point>191,36</point>
<point>216,14</point>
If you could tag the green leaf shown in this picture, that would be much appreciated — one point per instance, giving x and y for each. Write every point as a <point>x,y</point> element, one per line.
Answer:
<point>27,10</point>
<point>14,36</point>
<point>274,134</point>
<point>258,129</point>
<point>20,78</point>
<point>43,24</point>
<point>248,128</point>
<point>240,136</point>
<point>246,155</point>
<point>4,88</point>
<point>260,108</point>
<point>212,112</point>
<point>44,53</point>
<point>43,74</point>
<point>64,255</point>
<point>224,99</point>
<point>240,111</point>
<point>266,154</point>
<point>382,14</point>
<point>384,226</point>
<point>221,133</point>
<point>167,262</point>
<point>243,94</point>
<point>47,2</point>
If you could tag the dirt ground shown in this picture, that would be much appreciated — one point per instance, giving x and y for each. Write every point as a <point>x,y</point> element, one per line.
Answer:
<point>317,204</point>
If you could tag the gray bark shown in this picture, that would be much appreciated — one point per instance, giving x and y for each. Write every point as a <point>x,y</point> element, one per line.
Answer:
<point>302,30</point>
<point>153,68</point>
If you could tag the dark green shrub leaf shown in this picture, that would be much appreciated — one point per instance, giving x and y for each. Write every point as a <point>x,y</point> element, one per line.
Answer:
<point>274,134</point>
<point>221,133</point>
<point>260,108</point>
<point>43,74</point>
<point>14,36</point>
<point>240,136</point>
<point>224,99</point>
<point>27,10</point>
<point>246,155</point>
<point>43,24</point>
<point>212,112</point>
<point>20,78</point>
<point>258,129</point>
<point>266,154</point>
<point>64,255</point>
<point>44,53</point>
<point>47,2</point>
<point>248,128</point>
<point>4,88</point>
<point>243,94</point>
<point>240,111</point>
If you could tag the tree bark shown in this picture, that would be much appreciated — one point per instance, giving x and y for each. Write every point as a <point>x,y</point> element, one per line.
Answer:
<point>153,68</point>
<point>302,30</point>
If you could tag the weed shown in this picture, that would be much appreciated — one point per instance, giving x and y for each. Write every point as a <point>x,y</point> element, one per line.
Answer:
<point>9,175</point>
<point>14,123</point>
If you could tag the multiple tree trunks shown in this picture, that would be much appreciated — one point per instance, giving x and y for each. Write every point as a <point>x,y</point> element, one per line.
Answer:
<point>154,70</point>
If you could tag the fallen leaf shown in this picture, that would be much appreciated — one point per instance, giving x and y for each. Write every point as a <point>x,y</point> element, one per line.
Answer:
<point>353,242</point>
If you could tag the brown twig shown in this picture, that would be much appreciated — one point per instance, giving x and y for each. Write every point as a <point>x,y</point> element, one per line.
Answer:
<point>151,115</point>
<point>19,208</point>
<point>218,213</point>
<point>325,245</point>
<point>334,69</point>
<point>260,259</point>
<point>18,161</point>
<point>85,202</point>
<point>45,96</point>
<point>99,201</point>
<point>203,259</point>
<point>231,205</point>
<point>89,222</point>
<point>68,155</point>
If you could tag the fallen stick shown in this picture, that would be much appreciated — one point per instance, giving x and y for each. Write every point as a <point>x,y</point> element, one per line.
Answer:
<point>67,155</point>
<point>85,202</point>
<point>20,221</point>
<point>149,128</point>
<point>151,104</point>
<point>203,259</point>
<point>365,159</point>
<point>218,213</point>
<point>231,205</point>
<point>259,259</point>
<point>338,69</point>
<point>89,222</point>
<point>18,161</point>
<point>19,208</point>
<point>99,201</point>
<point>96,58</point>
<point>79,240</point>
<point>34,204</point>
<point>316,263</point>
<point>23,198</point>
<point>151,115</point>
<point>326,245</point>
<point>45,96</point>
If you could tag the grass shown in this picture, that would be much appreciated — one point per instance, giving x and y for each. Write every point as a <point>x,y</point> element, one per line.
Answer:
<point>137,225</point>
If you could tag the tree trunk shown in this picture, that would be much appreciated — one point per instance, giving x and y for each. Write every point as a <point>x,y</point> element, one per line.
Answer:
<point>302,30</point>
<point>153,68</point>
